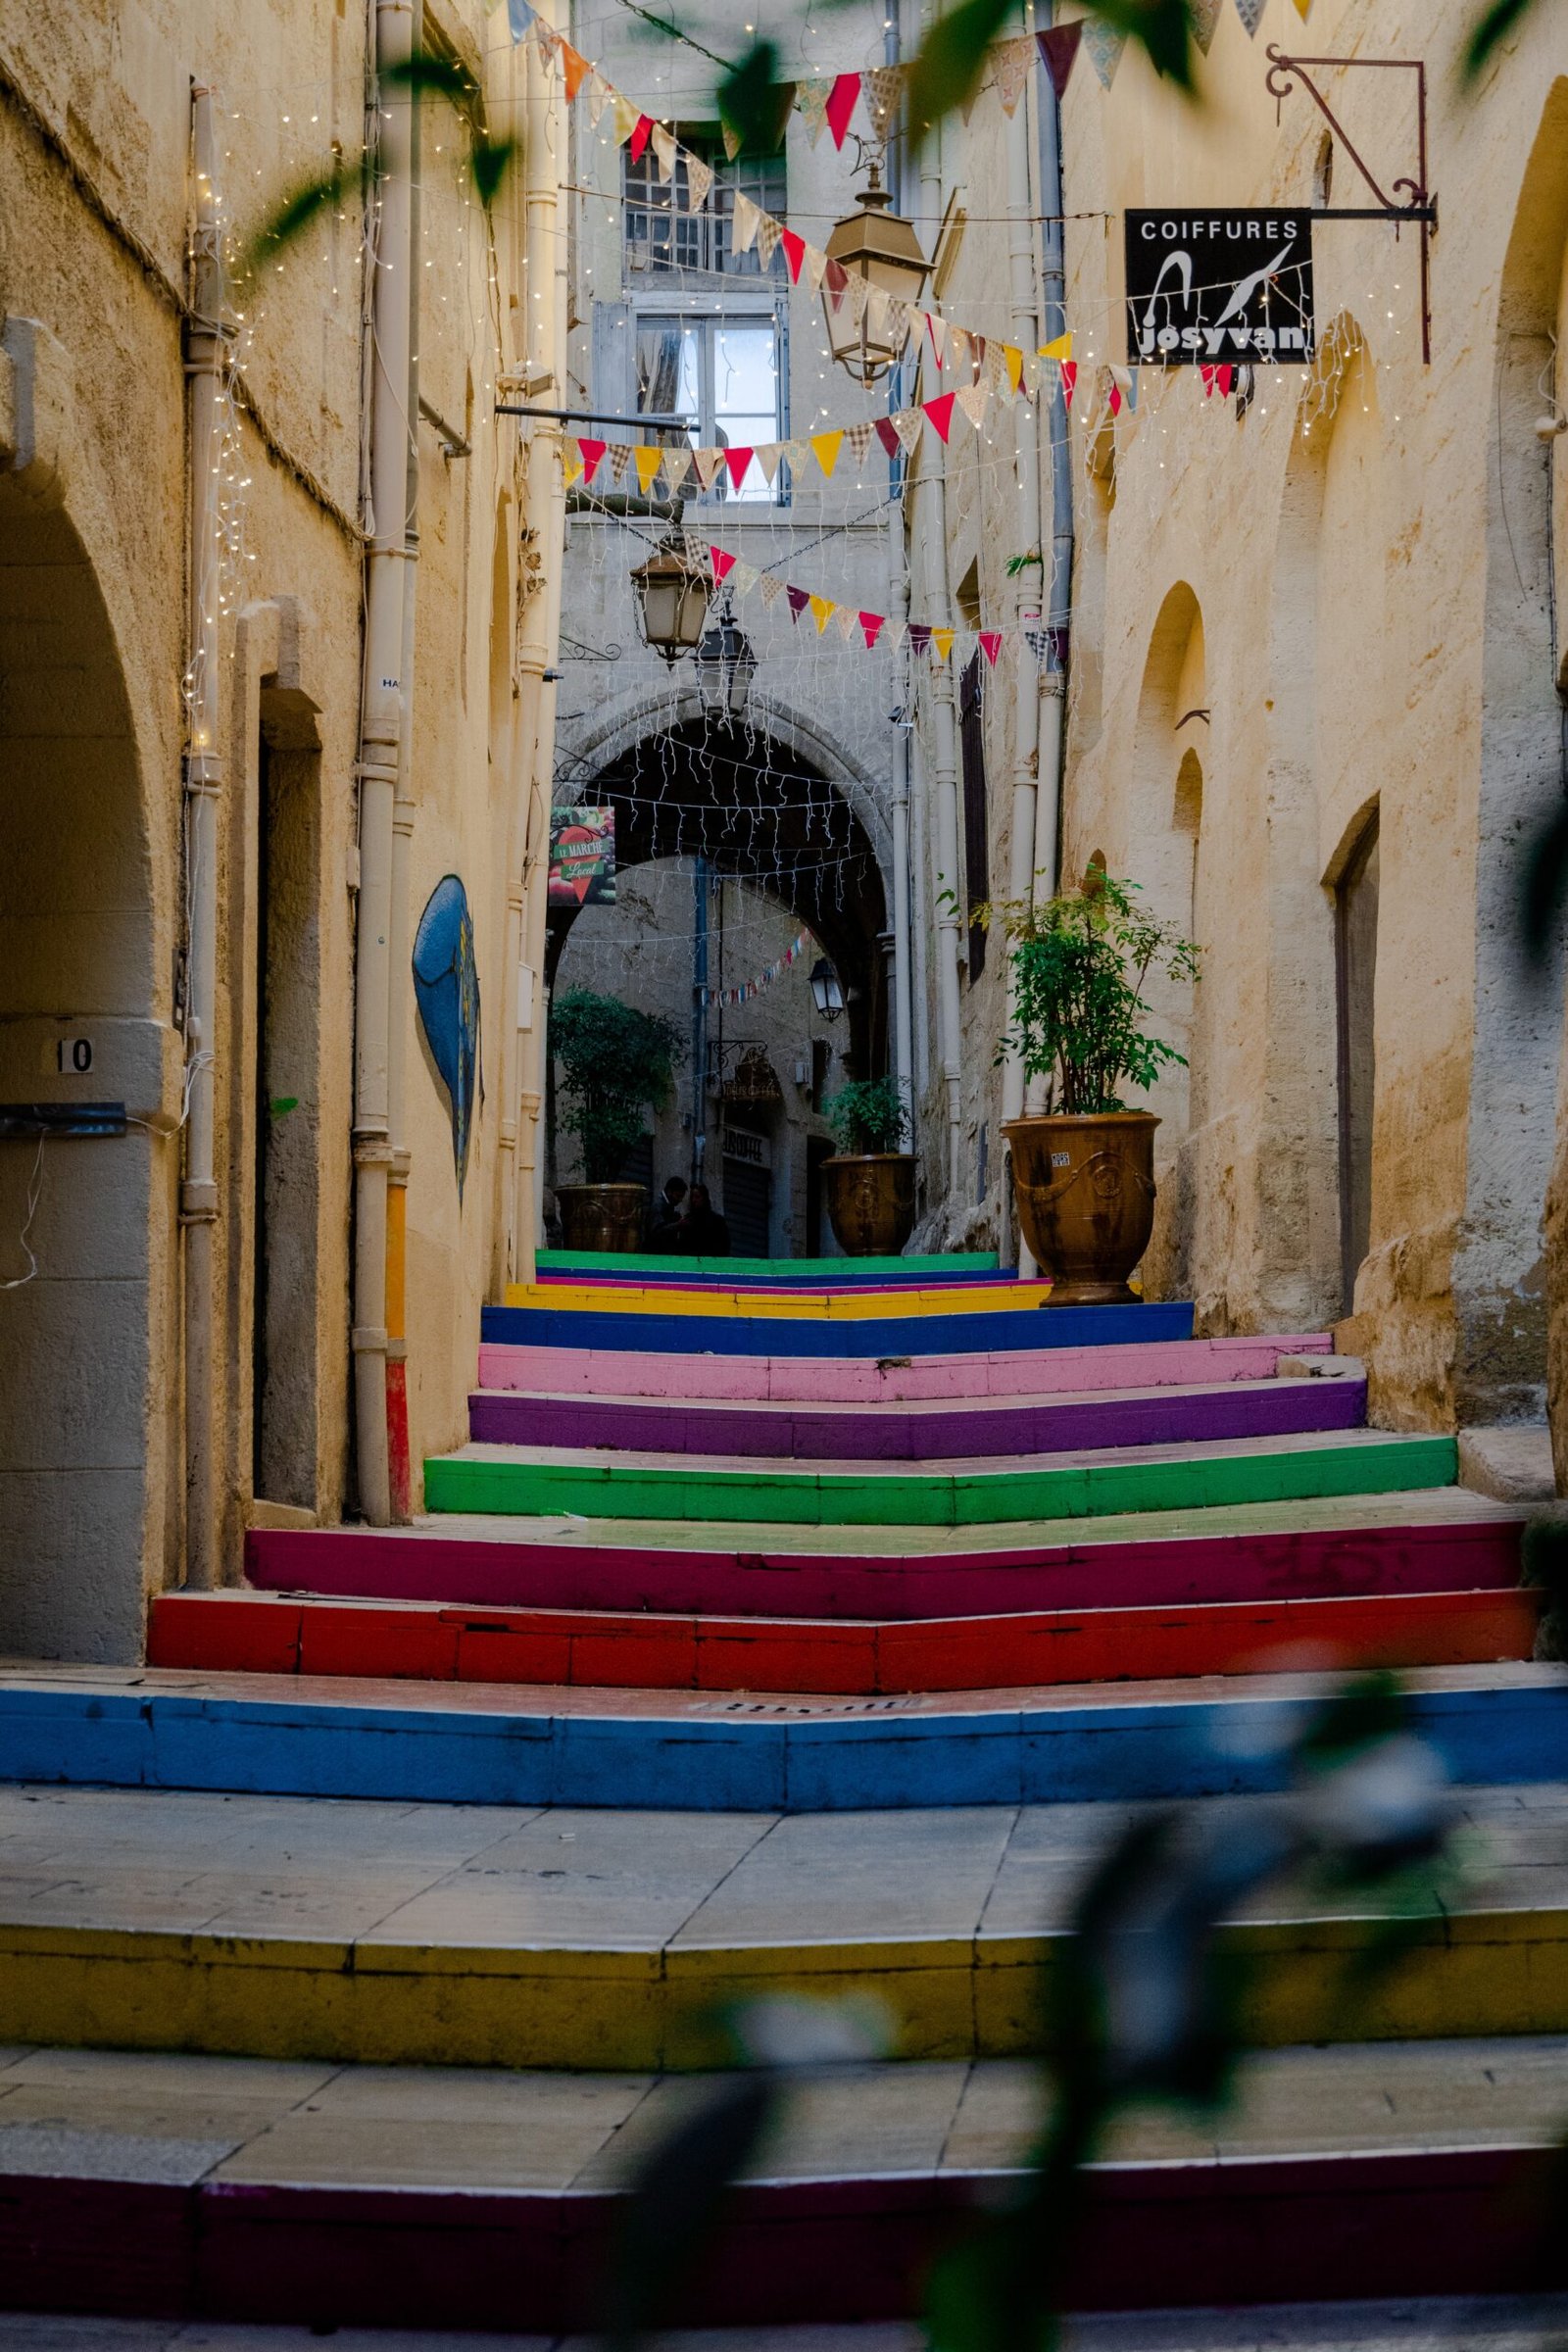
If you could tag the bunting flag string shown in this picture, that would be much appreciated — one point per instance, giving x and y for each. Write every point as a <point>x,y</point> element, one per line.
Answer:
<point>896,434</point>
<point>744,991</point>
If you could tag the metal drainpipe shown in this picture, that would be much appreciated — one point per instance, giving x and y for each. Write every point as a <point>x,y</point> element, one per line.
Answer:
<point>1029,597</point>
<point>399,1462</point>
<point>380,750</point>
<point>699,1018</point>
<point>899,611</point>
<point>1058,455</point>
<point>204,364</point>
<point>545,505</point>
<point>931,535</point>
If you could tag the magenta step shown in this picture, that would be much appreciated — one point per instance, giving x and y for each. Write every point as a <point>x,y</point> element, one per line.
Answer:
<point>855,1380</point>
<point>1440,1541</point>
<point>922,1433</point>
<point>186,2241</point>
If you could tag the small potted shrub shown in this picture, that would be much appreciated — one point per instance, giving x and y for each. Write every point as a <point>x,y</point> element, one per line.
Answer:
<point>869,1186</point>
<point>615,1064</point>
<point>1083,1171</point>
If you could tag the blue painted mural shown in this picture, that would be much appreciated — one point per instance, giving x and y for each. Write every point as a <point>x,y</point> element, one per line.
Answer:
<point>445,988</point>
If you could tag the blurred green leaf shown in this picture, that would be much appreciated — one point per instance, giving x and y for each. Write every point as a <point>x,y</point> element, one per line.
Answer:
<point>297,212</point>
<point>493,159</point>
<point>753,104</point>
<point>1545,885</point>
<point>676,2201</point>
<point>1487,33</point>
<point>430,76</point>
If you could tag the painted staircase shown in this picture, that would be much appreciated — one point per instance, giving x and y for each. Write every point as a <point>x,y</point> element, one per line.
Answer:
<point>779,1627</point>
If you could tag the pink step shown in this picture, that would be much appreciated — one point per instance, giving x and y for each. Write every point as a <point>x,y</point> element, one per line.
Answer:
<point>932,1379</point>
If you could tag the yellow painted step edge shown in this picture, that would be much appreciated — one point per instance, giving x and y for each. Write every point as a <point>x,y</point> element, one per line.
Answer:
<point>1478,1973</point>
<point>807,1307</point>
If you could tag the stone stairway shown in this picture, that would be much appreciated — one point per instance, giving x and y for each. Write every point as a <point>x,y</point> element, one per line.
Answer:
<point>779,1630</point>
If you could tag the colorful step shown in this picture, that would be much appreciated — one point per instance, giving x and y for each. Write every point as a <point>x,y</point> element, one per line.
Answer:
<point>231,2191</point>
<point>921,1432</point>
<point>267,1930</point>
<point>253,1633</point>
<point>975,1332</point>
<point>1440,1540</point>
<point>709,1752</point>
<point>1127,1479</point>
<point>785,1305</point>
<point>852,1380</point>
<point>973,1265</point>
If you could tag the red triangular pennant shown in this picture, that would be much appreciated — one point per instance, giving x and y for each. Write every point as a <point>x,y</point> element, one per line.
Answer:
<point>991,645</point>
<point>1059,50</point>
<point>871,627</point>
<point>794,252</point>
<point>920,636</point>
<point>1069,378</point>
<point>641,130</point>
<point>739,462</point>
<point>887,433</point>
<point>799,599</point>
<point>724,564</point>
<point>840,105</point>
<point>939,411</point>
<point>592,452</point>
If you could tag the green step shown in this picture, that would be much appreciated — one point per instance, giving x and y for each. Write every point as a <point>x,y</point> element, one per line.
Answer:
<point>545,1484</point>
<point>803,1270</point>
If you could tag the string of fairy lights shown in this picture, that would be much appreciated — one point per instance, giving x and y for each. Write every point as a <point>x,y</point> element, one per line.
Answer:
<point>1135,433</point>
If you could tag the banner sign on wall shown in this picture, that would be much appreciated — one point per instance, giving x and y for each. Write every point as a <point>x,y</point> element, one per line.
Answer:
<point>582,858</point>
<point>1219,288</point>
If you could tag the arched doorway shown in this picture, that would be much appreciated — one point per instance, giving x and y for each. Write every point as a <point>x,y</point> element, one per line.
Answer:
<point>736,848</point>
<point>76,1316</point>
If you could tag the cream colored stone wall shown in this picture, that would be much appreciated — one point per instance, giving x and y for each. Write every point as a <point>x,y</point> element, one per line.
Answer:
<point>1363,557</point>
<point>95,143</point>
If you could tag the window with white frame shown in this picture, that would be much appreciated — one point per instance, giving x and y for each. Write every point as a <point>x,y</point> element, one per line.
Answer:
<point>724,372</point>
<point>665,238</point>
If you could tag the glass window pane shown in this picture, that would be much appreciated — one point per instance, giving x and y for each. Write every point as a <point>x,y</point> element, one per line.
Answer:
<point>745,371</point>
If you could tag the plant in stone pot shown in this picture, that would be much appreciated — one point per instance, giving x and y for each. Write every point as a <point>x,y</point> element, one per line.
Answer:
<point>869,1184</point>
<point>1082,1169</point>
<point>615,1064</point>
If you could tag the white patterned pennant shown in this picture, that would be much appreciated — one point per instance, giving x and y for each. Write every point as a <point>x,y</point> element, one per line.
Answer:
<point>1104,49</point>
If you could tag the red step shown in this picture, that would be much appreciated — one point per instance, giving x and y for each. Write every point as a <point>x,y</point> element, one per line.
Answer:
<point>266,1634</point>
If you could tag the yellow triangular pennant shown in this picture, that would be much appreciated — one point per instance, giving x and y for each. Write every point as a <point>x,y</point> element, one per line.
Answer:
<point>1060,349</point>
<point>821,612</point>
<point>1015,359</point>
<point>941,639</point>
<point>827,447</point>
<point>648,458</point>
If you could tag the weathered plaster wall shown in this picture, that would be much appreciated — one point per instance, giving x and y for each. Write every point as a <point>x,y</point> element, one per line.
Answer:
<point>1366,549</point>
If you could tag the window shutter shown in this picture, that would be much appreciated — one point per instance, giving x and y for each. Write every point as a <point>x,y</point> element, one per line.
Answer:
<point>613,389</point>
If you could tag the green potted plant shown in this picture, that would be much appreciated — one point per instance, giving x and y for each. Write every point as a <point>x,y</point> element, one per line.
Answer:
<point>1083,1170</point>
<point>615,1064</point>
<point>869,1184</point>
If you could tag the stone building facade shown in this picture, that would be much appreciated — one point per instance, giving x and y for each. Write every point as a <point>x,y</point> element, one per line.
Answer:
<point>140,1429</point>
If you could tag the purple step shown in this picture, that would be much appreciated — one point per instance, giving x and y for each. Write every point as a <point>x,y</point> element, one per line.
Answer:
<point>912,1433</point>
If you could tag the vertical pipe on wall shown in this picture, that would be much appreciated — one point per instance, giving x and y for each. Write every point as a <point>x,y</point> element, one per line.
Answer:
<point>204,364</point>
<point>1029,597</point>
<point>899,611</point>
<point>1056,457</point>
<point>380,749</point>
<point>543,529</point>
<point>400,937</point>
<point>931,536</point>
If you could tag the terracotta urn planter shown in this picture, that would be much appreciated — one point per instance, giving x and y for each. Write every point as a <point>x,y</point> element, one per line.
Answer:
<point>601,1216</point>
<point>1085,1188</point>
<point>871,1201</point>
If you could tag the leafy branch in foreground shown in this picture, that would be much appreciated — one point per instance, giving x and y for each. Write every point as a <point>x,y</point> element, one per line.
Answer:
<point>490,160</point>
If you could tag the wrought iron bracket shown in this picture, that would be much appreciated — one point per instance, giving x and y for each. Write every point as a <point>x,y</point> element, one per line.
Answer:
<point>1420,208</point>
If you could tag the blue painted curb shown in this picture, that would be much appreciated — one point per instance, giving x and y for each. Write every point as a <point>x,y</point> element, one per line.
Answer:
<point>764,1757</point>
<point>972,1334</point>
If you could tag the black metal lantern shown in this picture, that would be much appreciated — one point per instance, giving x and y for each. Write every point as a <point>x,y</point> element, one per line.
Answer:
<point>880,247</point>
<point>673,594</point>
<point>725,668</point>
<point>825,989</point>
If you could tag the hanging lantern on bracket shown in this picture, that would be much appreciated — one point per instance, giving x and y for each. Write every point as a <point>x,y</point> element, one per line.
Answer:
<point>672,590</point>
<point>725,667</point>
<point>880,248</point>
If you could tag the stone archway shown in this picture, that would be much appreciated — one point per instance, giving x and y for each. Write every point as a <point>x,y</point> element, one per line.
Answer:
<point>78,1390</point>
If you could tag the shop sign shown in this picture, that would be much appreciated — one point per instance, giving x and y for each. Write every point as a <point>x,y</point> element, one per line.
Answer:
<point>582,858</point>
<point>1220,288</point>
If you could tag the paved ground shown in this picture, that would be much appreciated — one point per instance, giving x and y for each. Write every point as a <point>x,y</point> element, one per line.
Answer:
<point>491,1875</point>
<point>181,2119</point>
<point>1426,2327</point>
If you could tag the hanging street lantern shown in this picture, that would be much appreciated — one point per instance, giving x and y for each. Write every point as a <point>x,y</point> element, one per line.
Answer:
<point>672,593</point>
<point>826,989</point>
<point>725,668</point>
<point>878,245</point>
